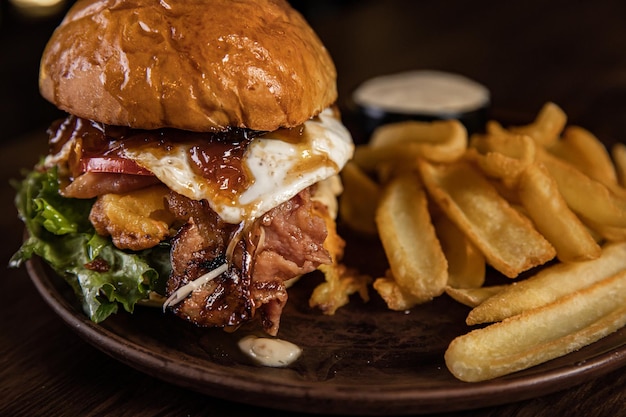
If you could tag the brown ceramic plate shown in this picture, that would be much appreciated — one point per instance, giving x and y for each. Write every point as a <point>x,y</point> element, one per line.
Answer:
<point>365,360</point>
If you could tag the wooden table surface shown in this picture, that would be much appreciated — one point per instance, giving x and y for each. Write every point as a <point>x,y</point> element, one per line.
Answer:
<point>526,52</point>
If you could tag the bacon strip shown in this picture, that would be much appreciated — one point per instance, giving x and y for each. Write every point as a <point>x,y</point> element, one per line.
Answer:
<point>284,243</point>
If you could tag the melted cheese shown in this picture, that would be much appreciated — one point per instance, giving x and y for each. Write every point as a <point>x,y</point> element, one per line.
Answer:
<point>280,168</point>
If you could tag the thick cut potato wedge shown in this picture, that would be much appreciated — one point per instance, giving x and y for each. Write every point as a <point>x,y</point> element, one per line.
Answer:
<point>618,153</point>
<point>395,147</point>
<point>547,126</point>
<point>466,264</point>
<point>549,284</point>
<point>542,201</point>
<point>508,240</point>
<point>538,335</point>
<point>587,197</point>
<point>418,265</point>
<point>439,140</point>
<point>473,297</point>
<point>584,150</point>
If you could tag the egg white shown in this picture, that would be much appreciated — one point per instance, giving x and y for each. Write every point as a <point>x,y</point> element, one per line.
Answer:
<point>280,169</point>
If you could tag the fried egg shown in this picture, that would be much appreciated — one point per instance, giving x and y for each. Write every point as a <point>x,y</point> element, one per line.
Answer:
<point>280,168</point>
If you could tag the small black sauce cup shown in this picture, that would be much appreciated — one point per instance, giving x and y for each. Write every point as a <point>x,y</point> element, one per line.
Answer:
<point>363,119</point>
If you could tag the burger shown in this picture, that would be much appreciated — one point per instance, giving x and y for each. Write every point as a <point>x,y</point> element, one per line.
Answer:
<point>197,165</point>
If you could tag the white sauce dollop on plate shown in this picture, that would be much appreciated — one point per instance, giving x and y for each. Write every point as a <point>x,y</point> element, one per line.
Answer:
<point>270,352</point>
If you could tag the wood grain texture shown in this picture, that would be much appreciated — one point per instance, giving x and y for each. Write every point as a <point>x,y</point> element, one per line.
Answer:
<point>525,52</point>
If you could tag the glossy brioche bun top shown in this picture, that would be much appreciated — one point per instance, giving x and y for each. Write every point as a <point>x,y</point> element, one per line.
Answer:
<point>199,65</point>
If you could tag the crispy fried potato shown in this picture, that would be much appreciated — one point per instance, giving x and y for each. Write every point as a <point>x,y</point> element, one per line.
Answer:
<point>544,204</point>
<point>538,335</point>
<point>508,240</point>
<point>495,128</point>
<point>618,153</point>
<point>340,282</point>
<point>394,295</point>
<point>466,264</point>
<point>605,233</point>
<point>357,204</point>
<point>547,126</point>
<point>503,158</point>
<point>587,197</point>
<point>549,284</point>
<point>400,144</point>
<point>497,166</point>
<point>508,191</point>
<point>515,146</point>
<point>374,160</point>
<point>136,220</point>
<point>416,260</point>
<point>439,140</point>
<point>584,150</point>
<point>473,297</point>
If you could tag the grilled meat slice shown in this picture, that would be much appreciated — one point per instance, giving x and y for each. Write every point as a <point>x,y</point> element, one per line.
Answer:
<point>286,242</point>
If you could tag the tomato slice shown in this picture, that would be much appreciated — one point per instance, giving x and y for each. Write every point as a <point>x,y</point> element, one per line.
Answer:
<point>112,164</point>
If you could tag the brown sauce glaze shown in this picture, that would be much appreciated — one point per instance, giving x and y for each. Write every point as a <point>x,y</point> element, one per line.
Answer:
<point>216,156</point>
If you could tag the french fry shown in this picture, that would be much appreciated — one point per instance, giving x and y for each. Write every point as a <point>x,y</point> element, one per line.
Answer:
<point>539,335</point>
<point>547,126</point>
<point>604,232</point>
<point>618,153</point>
<point>508,240</point>
<point>544,204</point>
<point>508,190</point>
<point>519,147</point>
<point>502,156</point>
<point>473,297</point>
<point>584,150</point>
<point>511,158</point>
<point>416,260</point>
<point>493,127</point>
<point>395,147</point>
<point>439,140</point>
<point>466,264</point>
<point>357,204</point>
<point>394,295</point>
<point>550,284</point>
<point>587,197</point>
<point>377,161</point>
<point>497,166</point>
<point>403,142</point>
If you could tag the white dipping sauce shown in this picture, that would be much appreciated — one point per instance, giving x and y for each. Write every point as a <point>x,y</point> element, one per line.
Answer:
<point>270,352</point>
<point>422,92</point>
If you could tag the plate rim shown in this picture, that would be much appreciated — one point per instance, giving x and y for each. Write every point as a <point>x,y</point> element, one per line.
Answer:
<point>349,400</point>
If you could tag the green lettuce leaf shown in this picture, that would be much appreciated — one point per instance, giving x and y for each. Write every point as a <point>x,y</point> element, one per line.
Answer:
<point>103,276</point>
